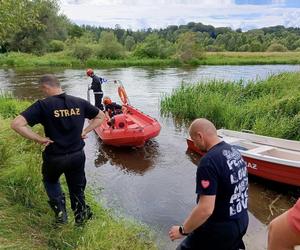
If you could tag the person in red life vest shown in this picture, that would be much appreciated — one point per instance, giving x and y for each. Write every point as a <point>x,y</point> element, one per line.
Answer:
<point>284,230</point>
<point>62,117</point>
<point>96,86</point>
<point>111,108</point>
<point>220,219</point>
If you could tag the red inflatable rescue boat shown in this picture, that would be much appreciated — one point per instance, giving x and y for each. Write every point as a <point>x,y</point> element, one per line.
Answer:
<point>131,128</point>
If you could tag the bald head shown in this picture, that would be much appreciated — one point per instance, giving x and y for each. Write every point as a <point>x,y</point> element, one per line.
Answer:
<point>204,126</point>
<point>204,133</point>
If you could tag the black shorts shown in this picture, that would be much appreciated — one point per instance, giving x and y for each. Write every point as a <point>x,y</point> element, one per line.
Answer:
<point>216,236</point>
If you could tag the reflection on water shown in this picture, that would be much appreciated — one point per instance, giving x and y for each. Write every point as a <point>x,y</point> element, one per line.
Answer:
<point>23,84</point>
<point>130,160</point>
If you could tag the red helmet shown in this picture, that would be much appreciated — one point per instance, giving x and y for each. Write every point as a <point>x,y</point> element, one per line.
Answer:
<point>106,100</point>
<point>90,72</point>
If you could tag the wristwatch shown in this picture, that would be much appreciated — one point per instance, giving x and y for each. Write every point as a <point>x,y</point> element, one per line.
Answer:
<point>181,231</point>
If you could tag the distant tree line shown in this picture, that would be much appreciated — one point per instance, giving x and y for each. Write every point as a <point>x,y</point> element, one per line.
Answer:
<point>36,26</point>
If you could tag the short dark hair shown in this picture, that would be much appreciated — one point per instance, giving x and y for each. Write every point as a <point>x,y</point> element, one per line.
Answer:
<point>50,80</point>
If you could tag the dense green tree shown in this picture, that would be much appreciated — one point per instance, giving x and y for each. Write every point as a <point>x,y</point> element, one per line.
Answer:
<point>255,46</point>
<point>290,41</point>
<point>244,48</point>
<point>129,43</point>
<point>109,47</point>
<point>188,47</point>
<point>120,33</point>
<point>82,51</point>
<point>296,44</point>
<point>52,26</point>
<point>205,39</point>
<point>75,30</point>
<point>153,47</point>
<point>15,15</point>
<point>56,45</point>
<point>277,47</point>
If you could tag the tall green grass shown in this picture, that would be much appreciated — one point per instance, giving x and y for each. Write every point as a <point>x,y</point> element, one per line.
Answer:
<point>10,107</point>
<point>269,107</point>
<point>25,218</point>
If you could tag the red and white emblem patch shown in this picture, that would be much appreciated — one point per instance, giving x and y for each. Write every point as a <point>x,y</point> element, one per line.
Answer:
<point>205,183</point>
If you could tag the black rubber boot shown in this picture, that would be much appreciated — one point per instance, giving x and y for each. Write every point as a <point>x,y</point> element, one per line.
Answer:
<point>82,214</point>
<point>59,208</point>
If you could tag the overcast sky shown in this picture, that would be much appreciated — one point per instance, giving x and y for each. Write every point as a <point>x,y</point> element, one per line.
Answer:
<point>142,14</point>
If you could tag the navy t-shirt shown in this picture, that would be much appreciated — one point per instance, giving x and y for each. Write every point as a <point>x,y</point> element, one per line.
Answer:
<point>223,172</point>
<point>63,118</point>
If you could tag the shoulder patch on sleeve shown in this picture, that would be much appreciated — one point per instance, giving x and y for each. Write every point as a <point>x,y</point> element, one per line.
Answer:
<point>205,183</point>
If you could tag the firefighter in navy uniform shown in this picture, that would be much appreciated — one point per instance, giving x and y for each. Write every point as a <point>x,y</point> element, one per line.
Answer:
<point>62,117</point>
<point>96,86</point>
<point>111,108</point>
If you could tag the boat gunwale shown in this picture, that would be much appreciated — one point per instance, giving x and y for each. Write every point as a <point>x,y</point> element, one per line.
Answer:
<point>262,140</point>
<point>272,159</point>
<point>266,158</point>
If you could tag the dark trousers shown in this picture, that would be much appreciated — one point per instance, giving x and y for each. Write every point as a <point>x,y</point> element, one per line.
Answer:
<point>98,101</point>
<point>216,236</point>
<point>72,166</point>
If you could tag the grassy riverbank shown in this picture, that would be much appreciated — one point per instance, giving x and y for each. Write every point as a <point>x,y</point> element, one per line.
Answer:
<point>251,58</point>
<point>269,107</point>
<point>25,218</point>
<point>63,59</point>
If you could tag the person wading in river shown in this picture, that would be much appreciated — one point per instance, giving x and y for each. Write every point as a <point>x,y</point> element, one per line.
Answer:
<point>220,218</point>
<point>96,86</point>
<point>62,117</point>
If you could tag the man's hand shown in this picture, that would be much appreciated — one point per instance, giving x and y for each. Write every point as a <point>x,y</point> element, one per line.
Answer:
<point>174,233</point>
<point>19,124</point>
<point>94,123</point>
<point>44,141</point>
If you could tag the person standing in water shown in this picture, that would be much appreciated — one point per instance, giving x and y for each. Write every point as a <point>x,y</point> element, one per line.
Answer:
<point>96,86</point>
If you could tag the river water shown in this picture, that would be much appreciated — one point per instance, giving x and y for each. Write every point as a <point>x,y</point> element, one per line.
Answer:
<point>156,184</point>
